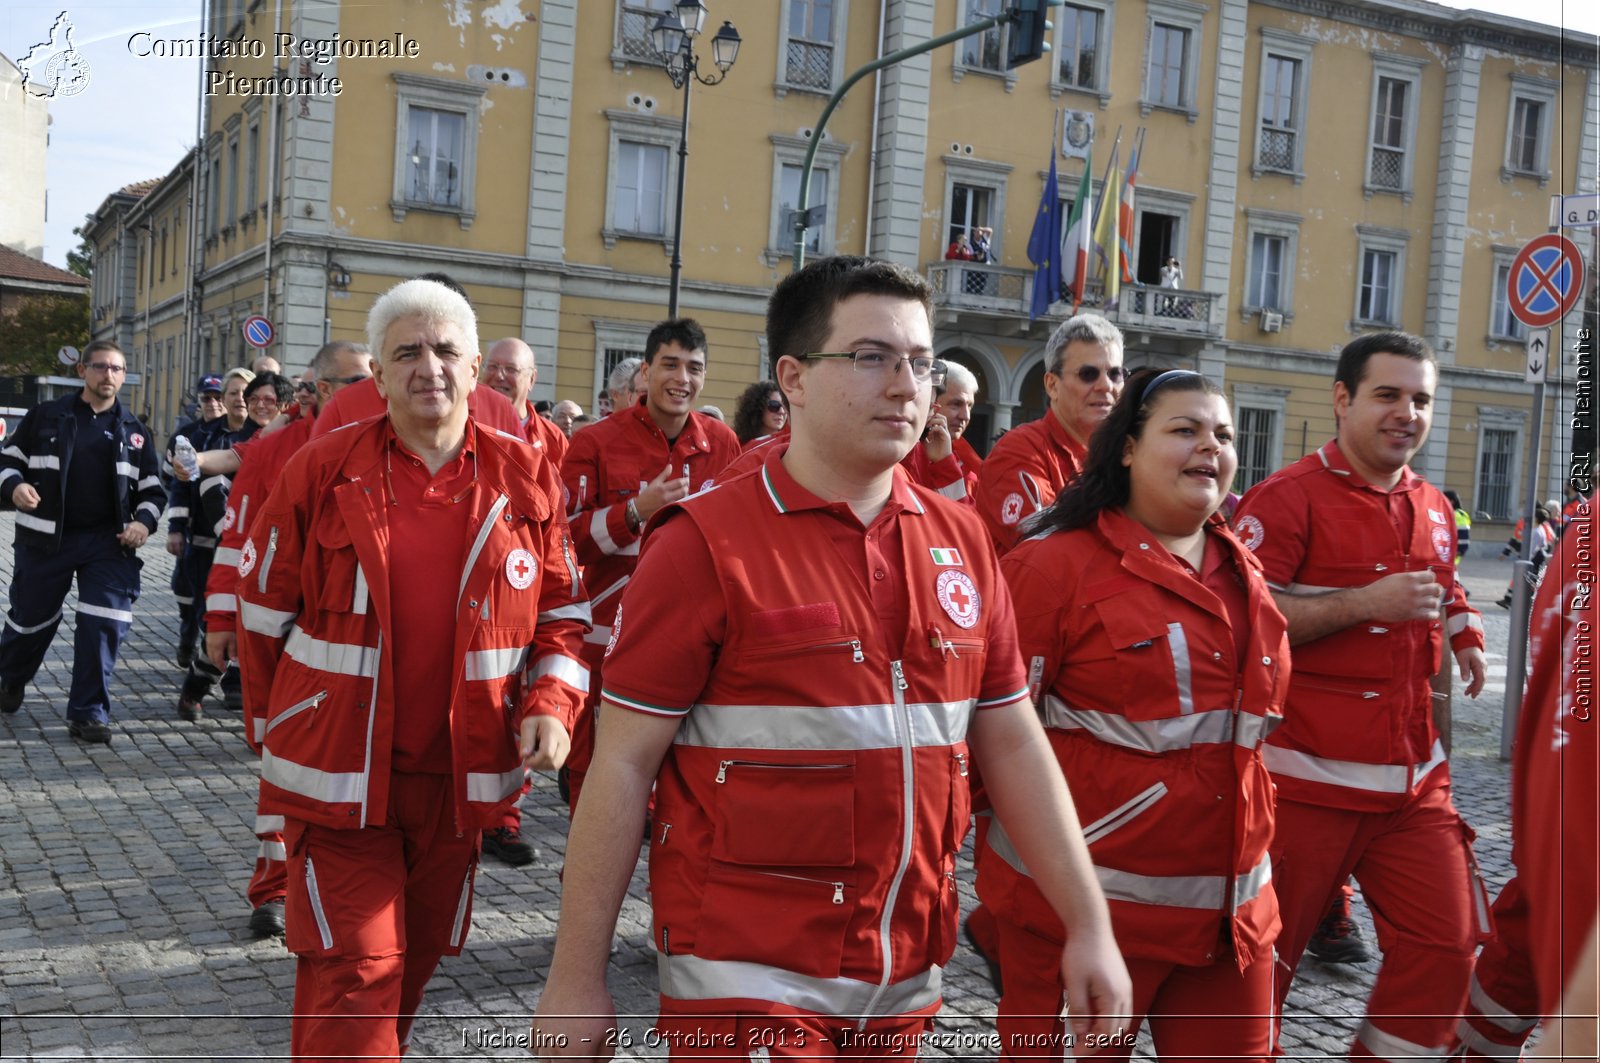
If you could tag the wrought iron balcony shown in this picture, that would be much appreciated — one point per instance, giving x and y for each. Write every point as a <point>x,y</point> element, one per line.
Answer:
<point>1003,295</point>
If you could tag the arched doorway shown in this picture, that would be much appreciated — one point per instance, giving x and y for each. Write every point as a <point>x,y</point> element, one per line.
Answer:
<point>980,432</point>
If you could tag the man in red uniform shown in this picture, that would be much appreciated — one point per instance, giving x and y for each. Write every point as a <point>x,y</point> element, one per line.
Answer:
<point>816,644</point>
<point>333,367</point>
<point>620,471</point>
<point>1360,553</point>
<point>409,621</point>
<point>1030,464</point>
<point>509,368</point>
<point>944,461</point>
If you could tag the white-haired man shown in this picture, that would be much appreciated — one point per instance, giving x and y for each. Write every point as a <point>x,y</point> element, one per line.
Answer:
<point>410,621</point>
<point>944,461</point>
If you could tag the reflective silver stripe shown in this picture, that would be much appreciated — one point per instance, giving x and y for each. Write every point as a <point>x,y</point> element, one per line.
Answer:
<point>124,616</point>
<point>315,896</point>
<point>266,560</point>
<point>1123,814</point>
<point>184,600</point>
<point>577,611</point>
<point>331,787</point>
<point>342,658</point>
<point>458,929</point>
<point>19,629</point>
<point>38,524</point>
<point>1377,778</point>
<point>1160,736</point>
<point>222,603</point>
<point>43,461</point>
<point>693,978</point>
<point>358,601</point>
<point>1181,667</point>
<point>1494,1011</point>
<point>148,482</point>
<point>932,724</point>
<point>631,550</point>
<point>600,533</point>
<point>226,555</point>
<point>598,636</point>
<point>609,591</point>
<point>1462,621</point>
<point>155,510</point>
<point>274,623</point>
<point>268,824</point>
<point>490,787</point>
<point>571,672</point>
<point>956,491</point>
<point>14,451</point>
<point>205,542</point>
<point>124,468</point>
<point>1396,1049</point>
<point>212,481</point>
<point>1203,892</point>
<point>258,728</point>
<point>495,664</point>
<point>7,474</point>
<point>178,513</point>
<point>1477,1044</point>
<point>477,545</point>
<point>272,851</point>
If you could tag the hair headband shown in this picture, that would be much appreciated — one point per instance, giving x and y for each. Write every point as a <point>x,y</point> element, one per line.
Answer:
<point>1162,378</point>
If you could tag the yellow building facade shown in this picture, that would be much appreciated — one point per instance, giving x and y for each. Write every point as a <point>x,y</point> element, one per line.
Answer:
<point>1319,170</point>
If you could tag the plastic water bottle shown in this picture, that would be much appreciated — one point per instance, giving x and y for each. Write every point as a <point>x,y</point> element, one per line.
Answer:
<point>184,457</point>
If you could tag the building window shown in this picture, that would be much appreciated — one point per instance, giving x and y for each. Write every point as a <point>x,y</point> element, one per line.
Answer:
<point>615,341</point>
<point>641,167</point>
<point>1396,82</point>
<point>252,164</point>
<point>214,197</point>
<point>233,179</point>
<point>436,147</point>
<point>789,198</point>
<point>1285,69</point>
<point>1497,453</point>
<point>1169,49</point>
<point>970,208</point>
<point>1533,102</point>
<point>1079,50</point>
<point>163,271</point>
<point>1172,55</point>
<point>986,50</point>
<point>974,196</point>
<point>635,19</point>
<point>788,155</point>
<point>1266,271</point>
<point>1256,441</point>
<point>1503,324</point>
<point>1380,270</point>
<point>808,45</point>
<point>1274,238</point>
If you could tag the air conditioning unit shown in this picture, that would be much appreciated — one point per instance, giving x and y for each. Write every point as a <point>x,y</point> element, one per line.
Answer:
<point>1271,321</point>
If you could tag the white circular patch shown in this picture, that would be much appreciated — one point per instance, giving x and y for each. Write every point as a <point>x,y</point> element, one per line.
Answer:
<point>958,597</point>
<point>136,441</point>
<point>521,569</point>
<point>228,517</point>
<point>247,558</point>
<point>1250,532</point>
<point>1444,543</point>
<point>1011,509</point>
<point>616,630</point>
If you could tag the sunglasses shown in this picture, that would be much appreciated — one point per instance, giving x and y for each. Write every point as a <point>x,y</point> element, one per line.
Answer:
<point>1090,373</point>
<point>774,406</point>
<point>305,385</point>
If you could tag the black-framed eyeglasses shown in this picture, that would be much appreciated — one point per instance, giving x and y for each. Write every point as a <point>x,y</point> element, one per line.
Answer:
<point>924,368</point>
<point>774,406</point>
<point>105,367</point>
<point>1090,373</point>
<point>305,385</point>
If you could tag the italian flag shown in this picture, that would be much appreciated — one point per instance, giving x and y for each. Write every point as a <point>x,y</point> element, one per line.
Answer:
<point>945,555</point>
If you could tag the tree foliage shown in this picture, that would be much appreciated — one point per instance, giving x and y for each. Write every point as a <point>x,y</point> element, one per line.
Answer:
<point>41,326</point>
<point>80,259</point>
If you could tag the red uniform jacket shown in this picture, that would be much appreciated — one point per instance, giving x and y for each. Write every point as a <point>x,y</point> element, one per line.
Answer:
<point>1023,474</point>
<point>314,611</point>
<point>956,477</point>
<point>1359,728</point>
<point>857,747</point>
<point>542,434</point>
<point>1158,726</point>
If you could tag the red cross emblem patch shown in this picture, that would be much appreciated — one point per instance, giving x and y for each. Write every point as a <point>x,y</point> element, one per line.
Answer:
<point>958,597</point>
<point>1444,543</point>
<point>520,569</point>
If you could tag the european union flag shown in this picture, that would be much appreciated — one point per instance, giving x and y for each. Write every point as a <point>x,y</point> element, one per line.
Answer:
<point>1044,246</point>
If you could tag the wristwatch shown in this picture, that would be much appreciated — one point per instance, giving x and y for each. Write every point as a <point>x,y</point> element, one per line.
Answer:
<point>632,516</point>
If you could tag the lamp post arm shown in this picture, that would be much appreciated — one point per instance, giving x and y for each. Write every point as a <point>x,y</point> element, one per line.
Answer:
<point>873,67</point>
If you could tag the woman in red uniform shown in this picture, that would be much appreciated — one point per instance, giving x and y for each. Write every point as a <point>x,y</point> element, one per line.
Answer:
<point>1159,662</point>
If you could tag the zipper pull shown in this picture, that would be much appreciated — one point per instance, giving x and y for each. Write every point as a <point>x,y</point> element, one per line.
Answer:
<point>949,650</point>
<point>664,828</point>
<point>722,770</point>
<point>666,939</point>
<point>838,893</point>
<point>856,655</point>
<point>961,764</point>
<point>899,674</point>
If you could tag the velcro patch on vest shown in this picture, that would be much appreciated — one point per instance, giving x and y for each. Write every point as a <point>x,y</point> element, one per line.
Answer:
<point>958,597</point>
<point>795,619</point>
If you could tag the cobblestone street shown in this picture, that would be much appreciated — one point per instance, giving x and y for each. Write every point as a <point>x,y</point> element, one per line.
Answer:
<point>123,913</point>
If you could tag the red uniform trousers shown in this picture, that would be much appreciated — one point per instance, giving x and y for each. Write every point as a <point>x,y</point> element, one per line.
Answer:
<point>270,880</point>
<point>700,1029</point>
<point>1419,877</point>
<point>370,912</point>
<point>1503,1000</point>
<point>1212,1013</point>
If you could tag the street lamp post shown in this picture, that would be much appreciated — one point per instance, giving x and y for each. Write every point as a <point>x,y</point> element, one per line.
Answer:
<point>673,37</point>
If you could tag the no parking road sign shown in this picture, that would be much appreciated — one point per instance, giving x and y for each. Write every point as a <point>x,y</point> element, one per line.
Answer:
<point>1545,280</point>
<point>258,331</point>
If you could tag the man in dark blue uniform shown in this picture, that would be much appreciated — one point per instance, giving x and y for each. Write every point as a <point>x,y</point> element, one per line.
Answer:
<point>82,473</point>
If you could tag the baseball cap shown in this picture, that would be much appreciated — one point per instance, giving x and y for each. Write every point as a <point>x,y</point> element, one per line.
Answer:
<point>209,382</point>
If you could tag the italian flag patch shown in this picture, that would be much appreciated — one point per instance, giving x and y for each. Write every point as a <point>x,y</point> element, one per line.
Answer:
<point>945,555</point>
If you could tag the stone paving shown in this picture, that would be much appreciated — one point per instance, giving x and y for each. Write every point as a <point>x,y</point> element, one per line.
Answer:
<point>122,907</point>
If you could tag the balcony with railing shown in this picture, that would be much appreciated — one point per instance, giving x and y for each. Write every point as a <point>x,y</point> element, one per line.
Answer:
<point>998,297</point>
<point>810,65</point>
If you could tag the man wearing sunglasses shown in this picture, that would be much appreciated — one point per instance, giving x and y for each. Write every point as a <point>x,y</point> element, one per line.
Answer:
<point>84,477</point>
<point>807,663</point>
<point>1030,464</point>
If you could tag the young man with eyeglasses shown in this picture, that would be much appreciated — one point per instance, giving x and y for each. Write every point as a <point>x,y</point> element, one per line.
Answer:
<point>1031,463</point>
<point>807,663</point>
<point>620,472</point>
<point>83,475</point>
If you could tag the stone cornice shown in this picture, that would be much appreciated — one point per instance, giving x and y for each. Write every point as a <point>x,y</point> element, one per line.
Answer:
<point>1450,27</point>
